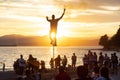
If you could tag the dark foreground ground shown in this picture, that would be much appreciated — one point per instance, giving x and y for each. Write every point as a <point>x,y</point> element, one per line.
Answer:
<point>10,75</point>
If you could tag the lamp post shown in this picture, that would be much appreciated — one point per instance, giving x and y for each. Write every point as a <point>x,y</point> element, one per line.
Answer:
<point>53,52</point>
<point>53,43</point>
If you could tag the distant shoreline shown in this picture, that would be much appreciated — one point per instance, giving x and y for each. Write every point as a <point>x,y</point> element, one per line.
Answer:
<point>80,47</point>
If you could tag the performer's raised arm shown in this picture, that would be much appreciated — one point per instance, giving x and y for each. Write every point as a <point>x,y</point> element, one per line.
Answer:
<point>47,18</point>
<point>62,14</point>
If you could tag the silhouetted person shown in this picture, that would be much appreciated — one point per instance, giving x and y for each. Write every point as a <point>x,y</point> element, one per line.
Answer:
<point>101,58</point>
<point>85,60</point>
<point>16,66</point>
<point>74,59</point>
<point>62,75</point>
<point>104,74</point>
<point>64,61</point>
<point>58,61</point>
<point>28,74</point>
<point>95,72</point>
<point>36,64</point>
<point>53,27</point>
<point>106,61</point>
<point>42,65</point>
<point>114,60</point>
<point>37,75</point>
<point>82,73</point>
<point>52,63</point>
<point>3,67</point>
<point>22,64</point>
<point>30,62</point>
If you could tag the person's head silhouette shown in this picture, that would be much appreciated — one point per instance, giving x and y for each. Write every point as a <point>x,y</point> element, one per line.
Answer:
<point>82,72</point>
<point>53,16</point>
<point>21,56</point>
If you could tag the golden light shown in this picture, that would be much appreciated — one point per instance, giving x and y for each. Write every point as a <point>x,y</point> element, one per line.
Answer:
<point>53,35</point>
<point>63,30</point>
<point>114,8</point>
<point>63,33</point>
<point>42,32</point>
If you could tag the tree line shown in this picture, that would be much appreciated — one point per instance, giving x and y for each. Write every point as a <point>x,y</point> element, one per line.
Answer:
<point>110,43</point>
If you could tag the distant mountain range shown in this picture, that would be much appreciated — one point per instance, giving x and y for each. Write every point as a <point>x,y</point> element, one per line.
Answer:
<point>20,40</point>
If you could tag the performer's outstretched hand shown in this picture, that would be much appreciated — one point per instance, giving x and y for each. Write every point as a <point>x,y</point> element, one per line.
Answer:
<point>47,17</point>
<point>64,9</point>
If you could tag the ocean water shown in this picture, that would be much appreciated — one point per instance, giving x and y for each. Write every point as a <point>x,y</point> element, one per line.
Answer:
<point>9,54</point>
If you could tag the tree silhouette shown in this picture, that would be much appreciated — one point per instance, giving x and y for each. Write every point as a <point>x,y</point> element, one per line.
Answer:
<point>115,40</point>
<point>104,41</point>
<point>112,43</point>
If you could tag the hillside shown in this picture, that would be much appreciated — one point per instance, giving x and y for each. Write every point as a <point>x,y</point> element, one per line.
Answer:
<point>20,40</point>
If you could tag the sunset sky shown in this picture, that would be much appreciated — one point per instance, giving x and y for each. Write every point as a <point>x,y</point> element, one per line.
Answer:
<point>83,18</point>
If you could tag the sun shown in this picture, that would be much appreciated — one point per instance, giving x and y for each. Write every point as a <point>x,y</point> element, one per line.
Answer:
<point>53,35</point>
<point>62,31</point>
